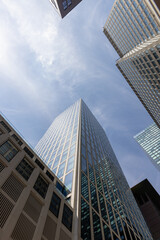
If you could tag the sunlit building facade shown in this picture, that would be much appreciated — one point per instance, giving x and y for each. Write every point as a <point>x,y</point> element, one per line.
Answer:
<point>76,149</point>
<point>133,28</point>
<point>149,140</point>
<point>63,7</point>
<point>33,201</point>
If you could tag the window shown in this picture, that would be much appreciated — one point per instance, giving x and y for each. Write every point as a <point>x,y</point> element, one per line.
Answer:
<point>55,204</point>
<point>41,186</point>
<point>62,189</point>
<point>17,139</point>
<point>39,164</point>
<point>67,217</point>
<point>25,169</point>
<point>5,126</point>
<point>68,180</point>
<point>8,150</point>
<point>69,2</point>
<point>49,175</point>
<point>1,132</point>
<point>28,152</point>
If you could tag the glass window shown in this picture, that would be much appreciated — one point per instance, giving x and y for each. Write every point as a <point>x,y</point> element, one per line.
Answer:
<point>8,150</point>
<point>70,164</point>
<point>62,189</point>
<point>64,156</point>
<point>28,152</point>
<point>25,169</point>
<point>61,169</point>
<point>85,221</point>
<point>5,126</point>
<point>103,208</point>
<point>67,217</point>
<point>107,233</point>
<point>39,164</point>
<point>56,161</point>
<point>68,180</point>
<point>17,139</point>
<point>94,197</point>
<point>55,204</point>
<point>84,186</point>
<point>96,226</point>
<point>41,186</point>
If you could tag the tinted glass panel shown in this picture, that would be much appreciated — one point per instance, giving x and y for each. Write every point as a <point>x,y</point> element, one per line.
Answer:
<point>67,217</point>
<point>85,221</point>
<point>55,204</point>
<point>96,226</point>
<point>8,150</point>
<point>25,169</point>
<point>41,186</point>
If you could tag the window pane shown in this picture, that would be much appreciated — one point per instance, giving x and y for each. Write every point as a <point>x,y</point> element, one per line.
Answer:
<point>67,217</point>
<point>25,169</point>
<point>8,150</point>
<point>41,186</point>
<point>55,204</point>
<point>68,181</point>
<point>85,221</point>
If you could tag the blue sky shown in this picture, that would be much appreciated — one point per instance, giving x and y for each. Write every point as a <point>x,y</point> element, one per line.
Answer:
<point>47,63</point>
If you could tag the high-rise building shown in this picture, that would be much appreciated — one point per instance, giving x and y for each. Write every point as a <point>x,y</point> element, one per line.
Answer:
<point>76,149</point>
<point>149,140</point>
<point>63,7</point>
<point>148,201</point>
<point>133,28</point>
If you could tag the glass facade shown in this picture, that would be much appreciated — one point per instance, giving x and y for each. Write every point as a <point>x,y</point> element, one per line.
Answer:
<point>149,140</point>
<point>133,28</point>
<point>77,147</point>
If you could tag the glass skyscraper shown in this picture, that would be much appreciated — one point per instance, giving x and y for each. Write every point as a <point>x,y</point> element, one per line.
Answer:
<point>133,28</point>
<point>76,149</point>
<point>149,140</point>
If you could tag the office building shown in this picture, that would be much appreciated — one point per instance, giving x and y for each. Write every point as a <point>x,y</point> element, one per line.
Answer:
<point>63,7</point>
<point>148,201</point>
<point>33,202</point>
<point>149,140</point>
<point>76,149</point>
<point>133,28</point>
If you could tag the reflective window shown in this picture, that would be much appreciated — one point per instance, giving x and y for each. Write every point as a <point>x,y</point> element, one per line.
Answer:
<point>103,208</point>
<point>67,217</point>
<point>107,233</point>
<point>8,150</point>
<point>84,164</point>
<point>68,180</point>
<point>5,126</point>
<point>62,189</point>
<point>96,226</point>
<point>61,169</point>
<point>55,204</point>
<point>94,197</point>
<point>70,164</point>
<point>25,169</point>
<point>85,221</point>
<point>84,186</point>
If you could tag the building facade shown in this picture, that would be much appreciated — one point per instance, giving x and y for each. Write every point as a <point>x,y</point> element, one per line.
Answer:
<point>63,7</point>
<point>148,201</point>
<point>149,140</point>
<point>133,28</point>
<point>34,203</point>
<point>76,149</point>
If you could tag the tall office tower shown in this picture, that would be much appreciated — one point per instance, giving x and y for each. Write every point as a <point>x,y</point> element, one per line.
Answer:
<point>63,7</point>
<point>76,149</point>
<point>148,201</point>
<point>133,28</point>
<point>149,140</point>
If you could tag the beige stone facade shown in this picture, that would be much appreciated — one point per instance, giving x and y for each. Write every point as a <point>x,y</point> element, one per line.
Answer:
<point>31,206</point>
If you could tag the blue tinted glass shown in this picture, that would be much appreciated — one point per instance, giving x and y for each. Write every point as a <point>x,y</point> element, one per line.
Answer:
<point>68,181</point>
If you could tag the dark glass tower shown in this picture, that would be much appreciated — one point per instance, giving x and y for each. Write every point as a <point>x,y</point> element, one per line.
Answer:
<point>77,150</point>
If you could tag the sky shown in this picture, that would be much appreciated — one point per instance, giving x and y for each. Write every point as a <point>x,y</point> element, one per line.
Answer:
<point>47,63</point>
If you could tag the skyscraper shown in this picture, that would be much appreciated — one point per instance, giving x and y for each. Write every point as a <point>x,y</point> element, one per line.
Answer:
<point>76,149</point>
<point>133,28</point>
<point>63,7</point>
<point>149,140</point>
<point>148,201</point>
